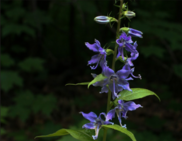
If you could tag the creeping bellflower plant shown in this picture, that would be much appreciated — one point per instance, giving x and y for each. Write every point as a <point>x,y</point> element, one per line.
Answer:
<point>113,82</point>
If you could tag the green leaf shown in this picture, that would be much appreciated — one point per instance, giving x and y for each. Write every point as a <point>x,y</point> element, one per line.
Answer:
<point>135,94</point>
<point>77,134</point>
<point>17,29</point>
<point>121,129</point>
<point>99,77</point>
<point>24,98</point>
<point>83,83</point>
<point>15,13</point>
<point>109,51</point>
<point>6,60</point>
<point>4,113</point>
<point>45,104</point>
<point>178,70</point>
<point>32,64</point>
<point>9,79</point>
<point>2,131</point>
<point>153,50</point>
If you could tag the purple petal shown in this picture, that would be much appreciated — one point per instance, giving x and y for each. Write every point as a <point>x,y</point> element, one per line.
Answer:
<point>129,62</point>
<point>135,31</point>
<point>94,59</point>
<point>124,84</point>
<point>118,41</point>
<point>130,48</point>
<point>90,116</point>
<point>121,102</point>
<point>113,88</point>
<point>135,34</point>
<point>108,122</point>
<point>130,78</point>
<point>124,72</point>
<point>123,36</point>
<point>124,112</point>
<point>89,126</point>
<point>104,89</point>
<point>139,76</point>
<point>120,52</point>
<point>103,61</point>
<point>130,106</point>
<point>101,115</point>
<point>97,42</point>
<point>129,40</point>
<point>134,56</point>
<point>135,44</point>
<point>110,114</point>
<point>107,71</point>
<point>94,47</point>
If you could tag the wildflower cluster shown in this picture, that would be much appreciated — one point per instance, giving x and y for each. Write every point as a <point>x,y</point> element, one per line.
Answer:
<point>115,83</point>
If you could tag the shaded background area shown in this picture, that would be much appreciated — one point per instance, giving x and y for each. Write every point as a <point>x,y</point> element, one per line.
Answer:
<point>43,49</point>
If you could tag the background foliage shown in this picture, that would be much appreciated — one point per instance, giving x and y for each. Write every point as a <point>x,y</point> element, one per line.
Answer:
<point>43,48</point>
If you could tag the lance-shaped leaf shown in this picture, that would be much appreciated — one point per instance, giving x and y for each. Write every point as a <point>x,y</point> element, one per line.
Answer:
<point>109,51</point>
<point>99,77</point>
<point>121,129</point>
<point>83,83</point>
<point>77,134</point>
<point>136,93</point>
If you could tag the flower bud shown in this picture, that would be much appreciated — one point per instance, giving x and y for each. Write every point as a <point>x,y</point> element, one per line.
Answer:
<point>124,6</point>
<point>104,19</point>
<point>129,14</point>
<point>125,29</point>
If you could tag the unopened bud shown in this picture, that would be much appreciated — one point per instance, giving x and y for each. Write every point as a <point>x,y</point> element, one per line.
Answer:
<point>129,14</point>
<point>104,19</point>
<point>124,6</point>
<point>125,29</point>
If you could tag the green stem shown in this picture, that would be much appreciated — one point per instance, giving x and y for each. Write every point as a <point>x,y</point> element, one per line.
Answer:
<point>113,62</point>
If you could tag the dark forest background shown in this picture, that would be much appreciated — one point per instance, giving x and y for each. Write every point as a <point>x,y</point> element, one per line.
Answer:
<point>43,48</point>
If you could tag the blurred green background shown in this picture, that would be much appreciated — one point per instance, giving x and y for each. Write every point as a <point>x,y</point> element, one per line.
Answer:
<point>42,49</point>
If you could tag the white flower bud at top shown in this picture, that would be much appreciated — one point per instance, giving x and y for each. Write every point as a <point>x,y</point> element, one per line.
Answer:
<point>104,19</point>
<point>129,14</point>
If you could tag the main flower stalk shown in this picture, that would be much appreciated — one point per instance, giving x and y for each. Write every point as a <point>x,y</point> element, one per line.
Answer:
<point>113,61</point>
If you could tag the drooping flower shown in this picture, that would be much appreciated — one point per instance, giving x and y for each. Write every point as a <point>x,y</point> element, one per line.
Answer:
<point>99,58</point>
<point>95,122</point>
<point>134,56</point>
<point>125,41</point>
<point>116,82</point>
<point>122,109</point>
